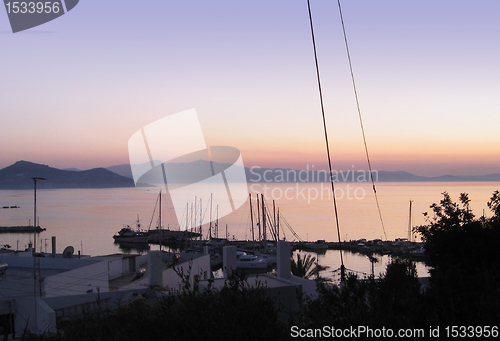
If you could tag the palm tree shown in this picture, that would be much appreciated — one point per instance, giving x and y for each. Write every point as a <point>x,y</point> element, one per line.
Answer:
<point>303,267</point>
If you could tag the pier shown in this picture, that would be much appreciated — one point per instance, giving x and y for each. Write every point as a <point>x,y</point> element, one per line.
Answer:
<point>20,229</point>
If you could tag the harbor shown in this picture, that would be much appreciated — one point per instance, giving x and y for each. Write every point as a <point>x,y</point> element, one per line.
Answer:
<point>88,218</point>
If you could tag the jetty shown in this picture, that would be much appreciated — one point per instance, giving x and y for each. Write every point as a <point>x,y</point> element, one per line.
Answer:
<point>20,229</point>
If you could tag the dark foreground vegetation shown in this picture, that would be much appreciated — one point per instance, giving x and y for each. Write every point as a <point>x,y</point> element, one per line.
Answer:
<point>464,290</point>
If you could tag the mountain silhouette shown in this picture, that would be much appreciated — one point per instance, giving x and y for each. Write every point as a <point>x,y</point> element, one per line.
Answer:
<point>20,176</point>
<point>274,175</point>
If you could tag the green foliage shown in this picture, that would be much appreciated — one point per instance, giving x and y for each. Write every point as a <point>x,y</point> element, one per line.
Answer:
<point>305,267</point>
<point>399,296</point>
<point>494,206</point>
<point>392,300</point>
<point>465,259</point>
<point>464,287</point>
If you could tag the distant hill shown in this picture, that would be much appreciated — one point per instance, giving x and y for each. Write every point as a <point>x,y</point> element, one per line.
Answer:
<point>273,175</point>
<point>123,170</point>
<point>20,174</point>
<point>289,175</point>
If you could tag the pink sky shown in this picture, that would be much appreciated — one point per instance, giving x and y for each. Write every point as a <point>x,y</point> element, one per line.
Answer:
<point>74,90</point>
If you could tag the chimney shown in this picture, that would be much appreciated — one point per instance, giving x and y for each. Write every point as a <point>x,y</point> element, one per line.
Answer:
<point>155,268</point>
<point>284,268</point>
<point>228,260</point>
<point>53,246</point>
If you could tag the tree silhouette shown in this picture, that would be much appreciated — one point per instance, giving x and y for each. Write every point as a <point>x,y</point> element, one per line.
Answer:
<point>303,267</point>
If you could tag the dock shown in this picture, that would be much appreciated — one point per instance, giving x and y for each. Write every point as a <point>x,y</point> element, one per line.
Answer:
<point>20,229</point>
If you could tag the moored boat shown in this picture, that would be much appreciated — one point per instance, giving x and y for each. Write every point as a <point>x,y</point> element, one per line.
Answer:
<point>244,261</point>
<point>127,235</point>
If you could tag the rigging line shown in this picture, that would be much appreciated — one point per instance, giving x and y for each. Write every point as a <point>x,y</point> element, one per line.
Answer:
<point>326,133</point>
<point>290,228</point>
<point>359,115</point>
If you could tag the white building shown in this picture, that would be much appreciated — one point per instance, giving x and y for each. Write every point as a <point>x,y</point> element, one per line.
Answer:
<point>61,288</point>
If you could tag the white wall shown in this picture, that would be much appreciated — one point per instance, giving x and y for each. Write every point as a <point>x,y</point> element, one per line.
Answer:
<point>309,287</point>
<point>171,281</point>
<point>25,316</point>
<point>115,268</point>
<point>200,267</point>
<point>46,317</point>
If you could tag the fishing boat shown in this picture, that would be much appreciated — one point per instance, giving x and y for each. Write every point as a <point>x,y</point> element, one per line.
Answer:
<point>127,235</point>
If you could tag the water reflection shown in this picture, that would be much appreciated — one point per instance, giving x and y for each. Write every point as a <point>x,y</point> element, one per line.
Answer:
<point>357,263</point>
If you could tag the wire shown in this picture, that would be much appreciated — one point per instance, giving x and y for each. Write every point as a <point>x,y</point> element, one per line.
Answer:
<point>359,115</point>
<point>326,136</point>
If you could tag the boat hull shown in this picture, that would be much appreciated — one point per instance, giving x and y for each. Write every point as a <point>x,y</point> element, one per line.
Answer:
<point>134,239</point>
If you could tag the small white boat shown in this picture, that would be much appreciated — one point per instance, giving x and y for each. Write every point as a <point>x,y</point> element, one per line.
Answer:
<point>250,262</point>
<point>269,259</point>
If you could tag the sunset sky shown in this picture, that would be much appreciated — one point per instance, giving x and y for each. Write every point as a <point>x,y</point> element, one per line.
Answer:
<point>74,90</point>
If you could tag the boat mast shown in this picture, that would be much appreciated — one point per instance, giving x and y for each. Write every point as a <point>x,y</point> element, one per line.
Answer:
<point>263,218</point>
<point>217,224</point>
<point>187,221</point>
<point>251,217</point>
<point>274,221</point>
<point>258,217</point>
<point>159,219</point>
<point>201,219</point>
<point>409,224</point>
<point>278,223</point>
<point>210,227</point>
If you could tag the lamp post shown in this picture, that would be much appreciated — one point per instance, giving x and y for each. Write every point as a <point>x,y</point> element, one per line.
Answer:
<point>34,251</point>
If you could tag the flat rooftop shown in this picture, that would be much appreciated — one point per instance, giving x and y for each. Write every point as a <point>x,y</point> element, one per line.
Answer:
<point>14,273</point>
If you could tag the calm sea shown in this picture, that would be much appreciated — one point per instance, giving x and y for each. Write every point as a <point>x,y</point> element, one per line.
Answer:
<point>88,218</point>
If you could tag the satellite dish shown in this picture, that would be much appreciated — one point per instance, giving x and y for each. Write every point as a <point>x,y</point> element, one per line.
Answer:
<point>68,252</point>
